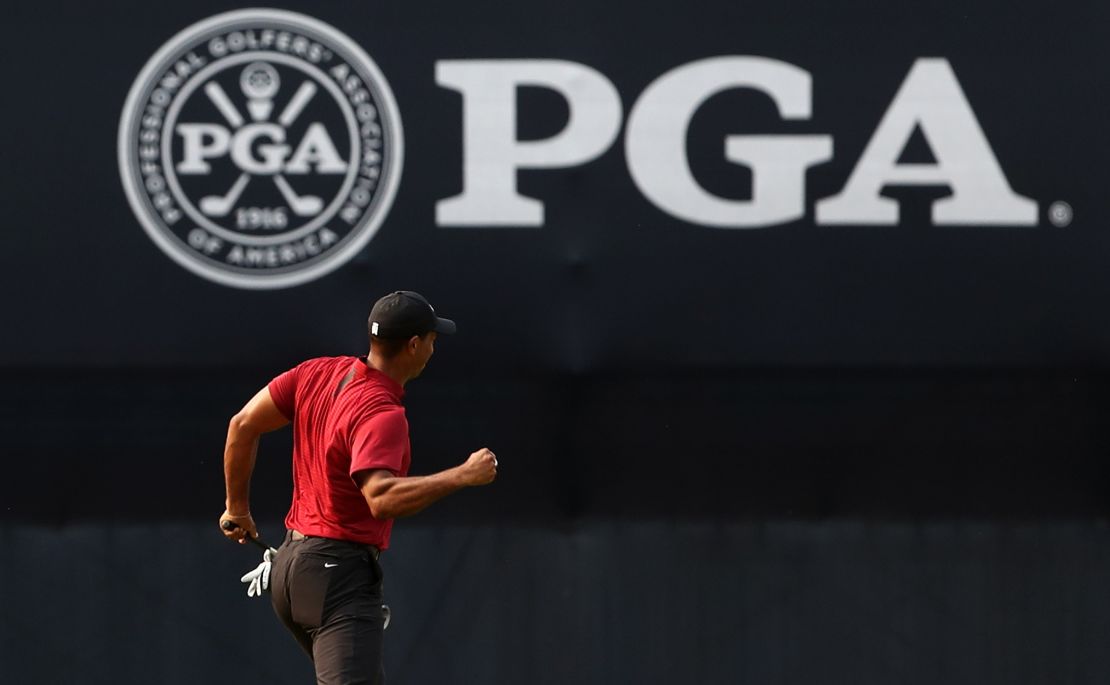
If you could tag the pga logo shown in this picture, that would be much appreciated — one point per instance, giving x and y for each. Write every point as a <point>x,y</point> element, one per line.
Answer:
<point>260,148</point>
<point>930,98</point>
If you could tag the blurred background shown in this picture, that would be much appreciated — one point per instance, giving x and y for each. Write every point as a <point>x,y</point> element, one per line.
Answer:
<point>740,442</point>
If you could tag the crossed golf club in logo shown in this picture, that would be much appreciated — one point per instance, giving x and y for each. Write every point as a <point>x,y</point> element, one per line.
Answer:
<point>259,82</point>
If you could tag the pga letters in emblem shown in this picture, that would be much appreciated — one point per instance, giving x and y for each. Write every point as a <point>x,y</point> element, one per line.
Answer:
<point>260,148</point>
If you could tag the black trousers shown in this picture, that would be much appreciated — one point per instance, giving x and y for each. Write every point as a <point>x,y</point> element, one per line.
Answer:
<point>328,593</point>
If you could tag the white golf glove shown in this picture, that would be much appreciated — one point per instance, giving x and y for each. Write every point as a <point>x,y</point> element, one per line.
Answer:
<point>259,578</point>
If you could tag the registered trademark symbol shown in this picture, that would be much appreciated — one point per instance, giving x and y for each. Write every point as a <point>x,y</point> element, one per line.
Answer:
<point>1060,214</point>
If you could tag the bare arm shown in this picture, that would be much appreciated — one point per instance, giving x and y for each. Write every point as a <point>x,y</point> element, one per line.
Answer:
<point>391,496</point>
<point>260,415</point>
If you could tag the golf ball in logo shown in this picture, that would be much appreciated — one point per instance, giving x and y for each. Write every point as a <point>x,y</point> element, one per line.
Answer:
<point>260,81</point>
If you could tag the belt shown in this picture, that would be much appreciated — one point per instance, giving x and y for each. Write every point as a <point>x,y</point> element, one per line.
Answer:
<point>372,549</point>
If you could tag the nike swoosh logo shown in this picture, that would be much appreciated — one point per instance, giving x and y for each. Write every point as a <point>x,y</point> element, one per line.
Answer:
<point>330,565</point>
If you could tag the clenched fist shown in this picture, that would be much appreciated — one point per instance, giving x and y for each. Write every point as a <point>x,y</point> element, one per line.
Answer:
<point>243,526</point>
<point>480,468</point>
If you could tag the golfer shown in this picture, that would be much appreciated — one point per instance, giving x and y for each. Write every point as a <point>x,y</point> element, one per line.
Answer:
<point>350,480</point>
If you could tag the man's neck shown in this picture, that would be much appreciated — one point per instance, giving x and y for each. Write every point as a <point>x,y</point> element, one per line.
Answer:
<point>394,371</point>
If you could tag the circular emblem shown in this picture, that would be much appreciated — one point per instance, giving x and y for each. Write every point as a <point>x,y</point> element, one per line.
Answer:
<point>260,148</point>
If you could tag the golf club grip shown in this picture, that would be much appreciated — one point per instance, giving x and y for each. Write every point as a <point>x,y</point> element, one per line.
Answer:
<point>231,525</point>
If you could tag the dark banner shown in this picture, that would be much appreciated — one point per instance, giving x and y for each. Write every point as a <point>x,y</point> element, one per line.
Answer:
<point>583,187</point>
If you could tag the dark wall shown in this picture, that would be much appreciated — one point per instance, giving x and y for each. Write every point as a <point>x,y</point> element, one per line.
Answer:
<point>1013,445</point>
<point>800,451</point>
<point>602,602</point>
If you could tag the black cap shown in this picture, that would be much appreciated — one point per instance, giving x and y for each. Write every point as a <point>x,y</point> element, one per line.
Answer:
<point>403,314</point>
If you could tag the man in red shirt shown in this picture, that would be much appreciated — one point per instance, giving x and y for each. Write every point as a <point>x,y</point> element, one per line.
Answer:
<point>351,460</point>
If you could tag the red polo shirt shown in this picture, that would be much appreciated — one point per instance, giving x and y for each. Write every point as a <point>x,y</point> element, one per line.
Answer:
<point>336,434</point>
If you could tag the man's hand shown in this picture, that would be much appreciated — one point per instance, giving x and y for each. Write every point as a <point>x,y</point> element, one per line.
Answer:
<point>480,468</point>
<point>244,526</point>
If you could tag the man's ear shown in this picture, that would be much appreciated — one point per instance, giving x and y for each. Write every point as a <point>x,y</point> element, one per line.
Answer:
<point>414,343</point>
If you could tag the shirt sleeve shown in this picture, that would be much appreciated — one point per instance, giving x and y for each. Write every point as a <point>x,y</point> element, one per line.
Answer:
<point>283,391</point>
<point>380,442</point>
